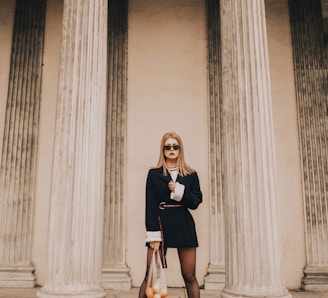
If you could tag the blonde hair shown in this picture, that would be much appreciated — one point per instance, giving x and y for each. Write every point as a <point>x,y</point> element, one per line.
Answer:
<point>184,168</point>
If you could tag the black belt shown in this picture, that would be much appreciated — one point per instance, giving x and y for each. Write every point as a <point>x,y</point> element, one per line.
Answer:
<point>163,205</point>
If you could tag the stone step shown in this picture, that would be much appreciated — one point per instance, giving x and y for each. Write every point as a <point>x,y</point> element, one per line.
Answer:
<point>133,293</point>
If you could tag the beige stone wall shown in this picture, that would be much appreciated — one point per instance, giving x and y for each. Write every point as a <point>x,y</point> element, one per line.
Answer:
<point>167,90</point>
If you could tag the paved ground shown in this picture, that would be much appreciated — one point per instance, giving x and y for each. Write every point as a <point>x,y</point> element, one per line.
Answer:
<point>173,293</point>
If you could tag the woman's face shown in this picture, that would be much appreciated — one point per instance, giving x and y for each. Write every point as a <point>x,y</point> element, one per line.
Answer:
<point>171,149</point>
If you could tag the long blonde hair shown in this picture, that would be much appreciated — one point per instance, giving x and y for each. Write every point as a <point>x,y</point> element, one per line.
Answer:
<point>184,168</point>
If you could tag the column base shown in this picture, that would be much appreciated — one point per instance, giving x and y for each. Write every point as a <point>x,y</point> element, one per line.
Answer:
<point>17,277</point>
<point>229,294</point>
<point>315,279</point>
<point>215,278</point>
<point>116,278</point>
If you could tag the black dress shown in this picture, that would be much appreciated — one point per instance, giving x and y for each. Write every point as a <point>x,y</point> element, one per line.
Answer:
<point>178,225</point>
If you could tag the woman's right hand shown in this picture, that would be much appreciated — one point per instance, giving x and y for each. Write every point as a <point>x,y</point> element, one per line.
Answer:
<point>155,245</point>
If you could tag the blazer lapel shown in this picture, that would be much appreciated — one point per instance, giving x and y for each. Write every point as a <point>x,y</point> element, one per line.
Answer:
<point>165,178</point>
<point>181,179</point>
<point>161,176</point>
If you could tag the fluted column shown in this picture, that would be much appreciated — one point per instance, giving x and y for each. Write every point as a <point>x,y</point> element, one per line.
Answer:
<point>77,195</point>
<point>18,155</point>
<point>253,261</point>
<point>215,277</point>
<point>115,271</point>
<point>311,77</point>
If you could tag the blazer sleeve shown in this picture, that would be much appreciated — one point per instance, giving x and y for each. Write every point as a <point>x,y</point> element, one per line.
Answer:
<point>152,210</point>
<point>192,196</point>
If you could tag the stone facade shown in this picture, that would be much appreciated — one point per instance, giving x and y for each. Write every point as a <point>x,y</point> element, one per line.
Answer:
<point>128,72</point>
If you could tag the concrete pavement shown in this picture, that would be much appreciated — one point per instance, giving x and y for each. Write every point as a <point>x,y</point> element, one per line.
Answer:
<point>173,293</point>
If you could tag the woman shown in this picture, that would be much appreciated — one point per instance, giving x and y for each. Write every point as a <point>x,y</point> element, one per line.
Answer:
<point>172,188</point>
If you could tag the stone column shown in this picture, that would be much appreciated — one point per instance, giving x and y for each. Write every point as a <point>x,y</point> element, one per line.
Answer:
<point>215,277</point>
<point>18,155</point>
<point>115,271</point>
<point>77,196</point>
<point>253,261</point>
<point>310,55</point>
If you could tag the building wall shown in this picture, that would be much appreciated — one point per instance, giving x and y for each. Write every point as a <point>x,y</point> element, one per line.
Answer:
<point>167,90</point>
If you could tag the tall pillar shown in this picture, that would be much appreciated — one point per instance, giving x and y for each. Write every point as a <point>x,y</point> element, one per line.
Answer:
<point>253,261</point>
<point>18,155</point>
<point>115,271</point>
<point>77,195</point>
<point>215,277</point>
<point>311,77</point>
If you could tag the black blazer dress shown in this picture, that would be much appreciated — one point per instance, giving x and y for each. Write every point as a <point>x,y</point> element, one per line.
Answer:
<point>178,225</point>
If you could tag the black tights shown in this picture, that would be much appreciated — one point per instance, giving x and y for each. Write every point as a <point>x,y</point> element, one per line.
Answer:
<point>187,257</point>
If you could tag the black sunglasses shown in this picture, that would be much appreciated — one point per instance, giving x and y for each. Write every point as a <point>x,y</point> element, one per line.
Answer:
<point>169,147</point>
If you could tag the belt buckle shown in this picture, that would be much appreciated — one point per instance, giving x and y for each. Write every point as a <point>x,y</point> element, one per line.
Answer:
<point>161,205</point>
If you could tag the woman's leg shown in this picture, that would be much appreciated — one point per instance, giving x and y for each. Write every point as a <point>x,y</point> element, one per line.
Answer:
<point>187,258</point>
<point>144,283</point>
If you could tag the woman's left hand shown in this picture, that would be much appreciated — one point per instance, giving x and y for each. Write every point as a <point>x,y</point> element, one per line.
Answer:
<point>171,186</point>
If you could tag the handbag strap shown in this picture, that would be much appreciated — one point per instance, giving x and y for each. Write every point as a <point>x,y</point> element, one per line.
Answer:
<point>164,264</point>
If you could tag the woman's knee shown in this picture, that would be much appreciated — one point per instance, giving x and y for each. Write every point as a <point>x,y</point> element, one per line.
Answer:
<point>189,277</point>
